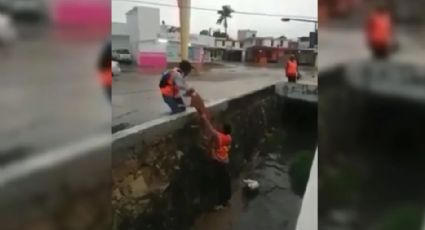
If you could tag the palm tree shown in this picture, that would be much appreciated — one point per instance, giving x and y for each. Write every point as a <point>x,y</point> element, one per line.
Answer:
<point>225,13</point>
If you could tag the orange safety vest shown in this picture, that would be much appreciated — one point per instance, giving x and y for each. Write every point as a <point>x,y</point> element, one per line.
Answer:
<point>291,68</point>
<point>379,29</point>
<point>105,78</point>
<point>221,153</point>
<point>170,89</point>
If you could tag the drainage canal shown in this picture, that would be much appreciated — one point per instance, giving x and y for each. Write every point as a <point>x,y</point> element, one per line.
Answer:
<point>162,179</point>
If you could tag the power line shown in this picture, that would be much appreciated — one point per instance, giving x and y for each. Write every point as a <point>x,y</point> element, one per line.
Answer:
<point>215,10</point>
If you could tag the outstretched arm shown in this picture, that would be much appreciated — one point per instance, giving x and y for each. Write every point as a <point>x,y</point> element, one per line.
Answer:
<point>209,126</point>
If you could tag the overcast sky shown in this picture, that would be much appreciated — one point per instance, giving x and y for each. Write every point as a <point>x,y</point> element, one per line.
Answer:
<point>265,25</point>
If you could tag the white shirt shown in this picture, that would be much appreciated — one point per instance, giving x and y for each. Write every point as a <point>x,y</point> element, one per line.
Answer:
<point>180,83</point>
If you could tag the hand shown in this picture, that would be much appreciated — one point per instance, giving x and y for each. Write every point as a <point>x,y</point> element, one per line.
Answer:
<point>204,116</point>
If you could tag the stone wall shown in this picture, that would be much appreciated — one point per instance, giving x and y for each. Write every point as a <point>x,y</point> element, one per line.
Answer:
<point>68,188</point>
<point>161,178</point>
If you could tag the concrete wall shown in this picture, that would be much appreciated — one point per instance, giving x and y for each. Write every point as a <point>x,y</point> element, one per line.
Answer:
<point>148,23</point>
<point>120,42</point>
<point>159,168</point>
<point>152,54</point>
<point>244,34</point>
<point>160,173</point>
<point>119,28</point>
<point>133,31</point>
<point>267,42</point>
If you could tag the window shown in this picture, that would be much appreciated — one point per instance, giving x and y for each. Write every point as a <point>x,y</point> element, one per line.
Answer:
<point>233,43</point>
<point>223,43</point>
<point>272,43</point>
<point>281,43</point>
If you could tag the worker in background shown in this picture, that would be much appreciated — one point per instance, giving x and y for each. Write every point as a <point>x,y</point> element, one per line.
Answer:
<point>105,71</point>
<point>173,87</point>
<point>292,69</point>
<point>219,153</point>
<point>379,31</point>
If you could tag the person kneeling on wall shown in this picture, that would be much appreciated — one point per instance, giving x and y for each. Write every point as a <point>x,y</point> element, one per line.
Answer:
<point>173,87</point>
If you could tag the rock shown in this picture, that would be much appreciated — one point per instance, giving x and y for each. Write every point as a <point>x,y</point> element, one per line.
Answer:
<point>180,154</point>
<point>128,207</point>
<point>117,194</point>
<point>139,187</point>
<point>251,184</point>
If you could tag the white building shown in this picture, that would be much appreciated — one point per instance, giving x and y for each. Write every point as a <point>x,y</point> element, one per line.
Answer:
<point>304,43</point>
<point>153,44</point>
<point>244,34</point>
<point>120,38</point>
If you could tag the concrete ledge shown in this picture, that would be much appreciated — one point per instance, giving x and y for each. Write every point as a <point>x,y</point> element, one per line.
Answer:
<point>152,131</point>
<point>300,91</point>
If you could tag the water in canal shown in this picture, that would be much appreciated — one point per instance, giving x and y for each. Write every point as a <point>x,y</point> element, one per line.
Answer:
<point>277,204</point>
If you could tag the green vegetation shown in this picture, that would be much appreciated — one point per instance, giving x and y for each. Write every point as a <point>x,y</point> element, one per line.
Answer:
<point>402,218</point>
<point>299,171</point>
<point>224,14</point>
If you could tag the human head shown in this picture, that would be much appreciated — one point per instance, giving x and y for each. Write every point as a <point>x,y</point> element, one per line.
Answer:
<point>227,129</point>
<point>292,58</point>
<point>381,7</point>
<point>185,67</point>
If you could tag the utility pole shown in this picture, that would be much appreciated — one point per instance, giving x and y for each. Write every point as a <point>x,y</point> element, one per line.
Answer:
<point>184,11</point>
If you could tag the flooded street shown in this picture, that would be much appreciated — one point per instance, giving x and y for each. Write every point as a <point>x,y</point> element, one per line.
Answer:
<point>136,98</point>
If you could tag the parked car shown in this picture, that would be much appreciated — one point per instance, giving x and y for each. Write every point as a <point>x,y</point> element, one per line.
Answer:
<point>122,55</point>
<point>116,70</point>
<point>115,55</point>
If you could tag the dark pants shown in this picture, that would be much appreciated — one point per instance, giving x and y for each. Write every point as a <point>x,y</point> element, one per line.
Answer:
<point>292,79</point>
<point>176,104</point>
<point>222,182</point>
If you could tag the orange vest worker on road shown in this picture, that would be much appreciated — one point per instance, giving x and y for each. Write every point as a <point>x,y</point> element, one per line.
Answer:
<point>291,69</point>
<point>379,31</point>
<point>220,160</point>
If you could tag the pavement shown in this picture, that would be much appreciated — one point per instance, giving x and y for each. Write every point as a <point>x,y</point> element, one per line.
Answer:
<point>49,95</point>
<point>344,45</point>
<point>136,98</point>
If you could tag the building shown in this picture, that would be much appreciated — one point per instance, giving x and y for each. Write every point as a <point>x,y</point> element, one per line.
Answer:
<point>303,42</point>
<point>244,34</point>
<point>262,49</point>
<point>227,49</point>
<point>154,44</point>
<point>120,38</point>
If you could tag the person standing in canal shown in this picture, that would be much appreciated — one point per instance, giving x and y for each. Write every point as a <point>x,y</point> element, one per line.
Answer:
<point>291,69</point>
<point>219,160</point>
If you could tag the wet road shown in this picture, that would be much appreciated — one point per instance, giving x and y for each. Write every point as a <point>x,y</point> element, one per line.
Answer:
<point>343,45</point>
<point>49,95</point>
<point>136,98</point>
